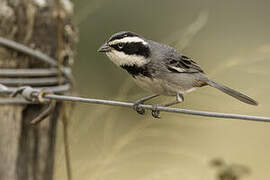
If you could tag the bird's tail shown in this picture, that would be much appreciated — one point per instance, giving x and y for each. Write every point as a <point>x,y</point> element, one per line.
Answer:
<point>231,92</point>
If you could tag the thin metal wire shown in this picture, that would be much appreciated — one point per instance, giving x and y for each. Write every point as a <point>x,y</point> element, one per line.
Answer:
<point>55,89</point>
<point>47,81</point>
<point>22,48</point>
<point>15,101</point>
<point>160,108</point>
<point>35,77</point>
<point>36,93</point>
<point>37,72</point>
<point>20,100</point>
<point>33,53</point>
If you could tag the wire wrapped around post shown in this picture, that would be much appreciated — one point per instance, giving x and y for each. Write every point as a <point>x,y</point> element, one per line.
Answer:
<point>41,78</point>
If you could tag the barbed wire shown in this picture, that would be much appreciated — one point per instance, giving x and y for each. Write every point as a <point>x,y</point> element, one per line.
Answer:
<point>35,94</point>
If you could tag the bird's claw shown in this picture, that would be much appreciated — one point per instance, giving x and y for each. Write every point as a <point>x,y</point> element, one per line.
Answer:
<point>138,109</point>
<point>155,112</point>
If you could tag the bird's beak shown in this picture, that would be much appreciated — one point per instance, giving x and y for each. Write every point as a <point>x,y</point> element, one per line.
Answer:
<point>104,48</point>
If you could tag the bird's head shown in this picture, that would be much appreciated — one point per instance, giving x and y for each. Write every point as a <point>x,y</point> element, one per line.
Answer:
<point>127,49</point>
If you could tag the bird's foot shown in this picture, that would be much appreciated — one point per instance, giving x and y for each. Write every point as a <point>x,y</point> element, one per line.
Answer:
<point>155,112</point>
<point>137,108</point>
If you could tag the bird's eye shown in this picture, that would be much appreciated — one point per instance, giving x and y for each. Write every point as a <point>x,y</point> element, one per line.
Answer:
<point>120,45</point>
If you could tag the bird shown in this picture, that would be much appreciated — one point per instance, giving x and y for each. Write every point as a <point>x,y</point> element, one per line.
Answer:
<point>160,69</point>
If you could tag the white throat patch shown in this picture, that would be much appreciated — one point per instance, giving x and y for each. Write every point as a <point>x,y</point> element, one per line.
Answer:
<point>128,40</point>
<point>121,59</point>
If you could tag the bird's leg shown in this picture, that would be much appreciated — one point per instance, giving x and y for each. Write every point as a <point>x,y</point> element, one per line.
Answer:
<point>136,104</point>
<point>156,113</point>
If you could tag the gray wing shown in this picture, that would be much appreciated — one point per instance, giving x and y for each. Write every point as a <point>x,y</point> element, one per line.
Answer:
<point>182,64</point>
<point>173,60</point>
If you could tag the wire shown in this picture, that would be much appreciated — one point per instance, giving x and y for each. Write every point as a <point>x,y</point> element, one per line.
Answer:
<point>34,53</point>
<point>160,108</point>
<point>36,93</point>
<point>37,72</point>
<point>20,100</point>
<point>47,81</point>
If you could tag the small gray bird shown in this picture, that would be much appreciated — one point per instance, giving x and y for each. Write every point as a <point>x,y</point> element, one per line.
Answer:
<point>160,69</point>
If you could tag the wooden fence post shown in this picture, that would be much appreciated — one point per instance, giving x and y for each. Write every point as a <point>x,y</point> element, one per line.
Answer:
<point>26,151</point>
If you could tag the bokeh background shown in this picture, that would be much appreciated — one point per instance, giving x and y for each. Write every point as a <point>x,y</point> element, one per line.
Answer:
<point>229,39</point>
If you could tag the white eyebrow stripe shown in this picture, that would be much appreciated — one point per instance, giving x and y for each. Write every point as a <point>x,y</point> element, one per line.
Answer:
<point>128,40</point>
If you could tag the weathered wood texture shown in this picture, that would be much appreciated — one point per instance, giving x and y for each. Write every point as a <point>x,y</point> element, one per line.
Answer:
<point>26,151</point>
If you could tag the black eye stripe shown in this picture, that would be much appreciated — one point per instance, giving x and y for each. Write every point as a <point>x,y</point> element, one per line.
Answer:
<point>133,48</point>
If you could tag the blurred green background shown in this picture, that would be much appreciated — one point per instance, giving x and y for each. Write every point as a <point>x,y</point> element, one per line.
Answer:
<point>229,39</point>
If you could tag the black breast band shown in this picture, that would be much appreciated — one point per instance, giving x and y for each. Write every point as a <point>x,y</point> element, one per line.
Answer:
<point>136,70</point>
